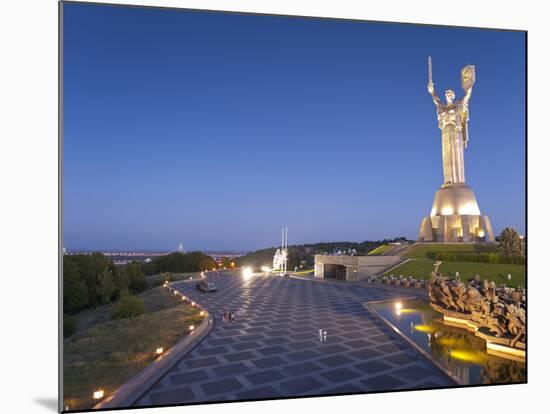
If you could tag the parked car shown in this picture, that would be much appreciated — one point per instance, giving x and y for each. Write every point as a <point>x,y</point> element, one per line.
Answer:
<point>206,286</point>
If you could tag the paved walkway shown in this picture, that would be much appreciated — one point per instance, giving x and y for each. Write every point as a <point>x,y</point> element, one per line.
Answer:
<point>273,348</point>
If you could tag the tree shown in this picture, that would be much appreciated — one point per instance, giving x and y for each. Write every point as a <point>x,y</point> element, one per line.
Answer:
<point>509,243</point>
<point>75,292</point>
<point>121,279</point>
<point>106,286</point>
<point>226,261</point>
<point>91,269</point>
<point>136,279</point>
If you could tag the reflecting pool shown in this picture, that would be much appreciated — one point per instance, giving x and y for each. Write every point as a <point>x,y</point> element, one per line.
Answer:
<point>457,351</point>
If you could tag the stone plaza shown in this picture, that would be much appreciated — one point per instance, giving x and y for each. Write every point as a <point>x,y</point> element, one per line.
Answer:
<point>273,348</point>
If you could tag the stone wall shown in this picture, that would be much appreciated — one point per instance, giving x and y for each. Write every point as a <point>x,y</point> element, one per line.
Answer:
<point>357,267</point>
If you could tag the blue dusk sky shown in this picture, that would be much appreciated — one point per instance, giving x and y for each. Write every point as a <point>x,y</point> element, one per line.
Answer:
<point>215,130</point>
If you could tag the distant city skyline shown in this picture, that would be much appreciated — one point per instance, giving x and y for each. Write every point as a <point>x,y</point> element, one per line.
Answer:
<point>215,130</point>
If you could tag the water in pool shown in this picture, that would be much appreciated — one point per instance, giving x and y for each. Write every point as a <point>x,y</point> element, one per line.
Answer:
<point>458,351</point>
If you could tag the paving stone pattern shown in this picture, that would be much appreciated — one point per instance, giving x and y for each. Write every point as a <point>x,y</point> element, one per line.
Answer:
<point>273,349</point>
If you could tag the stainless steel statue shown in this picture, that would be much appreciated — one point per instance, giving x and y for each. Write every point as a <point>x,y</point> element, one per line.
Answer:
<point>453,119</point>
<point>455,214</point>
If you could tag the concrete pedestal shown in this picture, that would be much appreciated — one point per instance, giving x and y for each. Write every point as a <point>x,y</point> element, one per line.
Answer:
<point>455,217</point>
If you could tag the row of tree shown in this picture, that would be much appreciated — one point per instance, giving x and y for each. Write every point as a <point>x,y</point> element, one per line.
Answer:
<point>92,280</point>
<point>179,263</point>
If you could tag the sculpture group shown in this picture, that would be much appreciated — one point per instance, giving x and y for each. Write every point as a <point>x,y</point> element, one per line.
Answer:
<point>497,314</point>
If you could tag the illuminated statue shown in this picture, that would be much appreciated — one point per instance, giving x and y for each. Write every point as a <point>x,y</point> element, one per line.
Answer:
<point>453,119</point>
<point>455,215</point>
<point>280,259</point>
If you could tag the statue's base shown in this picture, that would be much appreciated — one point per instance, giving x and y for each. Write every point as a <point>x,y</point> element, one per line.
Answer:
<point>503,347</point>
<point>455,217</point>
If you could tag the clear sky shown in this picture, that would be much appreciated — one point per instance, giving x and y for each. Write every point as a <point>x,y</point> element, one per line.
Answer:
<point>215,129</point>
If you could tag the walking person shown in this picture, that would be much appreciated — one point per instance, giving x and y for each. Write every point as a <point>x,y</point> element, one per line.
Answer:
<point>320,335</point>
<point>325,336</point>
<point>232,317</point>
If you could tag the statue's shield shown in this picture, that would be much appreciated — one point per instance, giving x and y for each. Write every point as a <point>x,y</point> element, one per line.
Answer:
<point>468,77</point>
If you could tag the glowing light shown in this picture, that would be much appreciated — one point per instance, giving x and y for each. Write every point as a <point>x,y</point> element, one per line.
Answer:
<point>407,310</point>
<point>175,292</point>
<point>424,328</point>
<point>232,264</point>
<point>266,268</point>
<point>398,306</point>
<point>159,350</point>
<point>98,395</point>
<point>247,272</point>
<point>447,211</point>
<point>481,233</point>
<point>469,209</point>
<point>193,304</point>
<point>191,327</point>
<point>467,356</point>
<point>201,313</point>
<point>183,298</point>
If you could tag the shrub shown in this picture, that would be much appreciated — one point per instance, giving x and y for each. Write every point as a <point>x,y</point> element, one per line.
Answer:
<point>69,325</point>
<point>128,306</point>
<point>432,255</point>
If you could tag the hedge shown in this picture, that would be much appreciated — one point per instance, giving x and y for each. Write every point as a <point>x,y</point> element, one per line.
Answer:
<point>476,257</point>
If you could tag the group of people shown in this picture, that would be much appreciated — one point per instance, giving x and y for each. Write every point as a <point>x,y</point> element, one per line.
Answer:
<point>229,317</point>
<point>322,335</point>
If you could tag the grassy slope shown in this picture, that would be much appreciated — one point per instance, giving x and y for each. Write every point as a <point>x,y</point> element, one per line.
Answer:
<point>104,354</point>
<point>379,250</point>
<point>421,267</point>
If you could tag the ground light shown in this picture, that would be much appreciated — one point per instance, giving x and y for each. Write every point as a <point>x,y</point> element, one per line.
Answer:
<point>247,272</point>
<point>191,327</point>
<point>201,313</point>
<point>266,269</point>
<point>398,308</point>
<point>159,351</point>
<point>98,395</point>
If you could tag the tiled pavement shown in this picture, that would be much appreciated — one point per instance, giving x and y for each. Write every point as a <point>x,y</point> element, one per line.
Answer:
<point>273,348</point>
